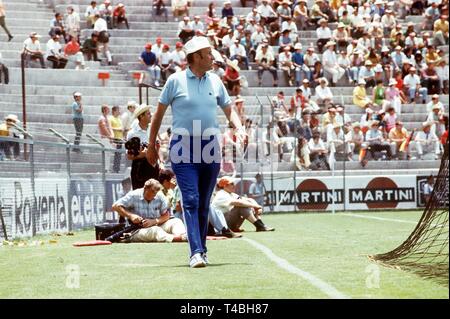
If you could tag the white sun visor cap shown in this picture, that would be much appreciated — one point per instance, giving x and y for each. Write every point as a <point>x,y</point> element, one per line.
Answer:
<point>200,42</point>
<point>195,44</point>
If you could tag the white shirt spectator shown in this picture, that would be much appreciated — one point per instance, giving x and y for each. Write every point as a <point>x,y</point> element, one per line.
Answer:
<point>329,59</point>
<point>319,146</point>
<point>183,25</point>
<point>227,41</point>
<point>310,59</point>
<point>323,93</point>
<point>237,50</point>
<point>90,11</point>
<point>306,91</point>
<point>347,8</point>
<point>266,11</point>
<point>157,49</point>
<point>257,38</point>
<point>268,56</point>
<point>323,33</point>
<point>198,25</point>
<point>411,80</point>
<point>53,48</point>
<point>165,57</point>
<point>283,57</point>
<point>388,21</point>
<point>30,46</point>
<point>179,3</point>
<point>222,201</point>
<point>100,25</point>
<point>430,106</point>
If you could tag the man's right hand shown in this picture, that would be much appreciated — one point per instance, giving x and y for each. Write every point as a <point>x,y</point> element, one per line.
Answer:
<point>152,155</point>
<point>135,219</point>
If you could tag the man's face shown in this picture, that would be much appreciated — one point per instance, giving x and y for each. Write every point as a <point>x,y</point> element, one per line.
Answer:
<point>9,123</point>
<point>146,118</point>
<point>149,194</point>
<point>398,127</point>
<point>205,59</point>
<point>229,188</point>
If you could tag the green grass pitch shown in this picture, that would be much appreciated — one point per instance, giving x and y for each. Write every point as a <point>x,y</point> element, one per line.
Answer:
<point>330,247</point>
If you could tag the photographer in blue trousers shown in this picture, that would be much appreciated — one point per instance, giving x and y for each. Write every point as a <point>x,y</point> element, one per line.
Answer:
<point>194,95</point>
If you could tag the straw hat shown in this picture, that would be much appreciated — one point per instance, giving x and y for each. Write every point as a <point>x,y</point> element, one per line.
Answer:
<point>12,117</point>
<point>234,65</point>
<point>141,110</point>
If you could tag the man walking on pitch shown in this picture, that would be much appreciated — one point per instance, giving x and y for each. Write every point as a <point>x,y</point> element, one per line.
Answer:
<point>194,95</point>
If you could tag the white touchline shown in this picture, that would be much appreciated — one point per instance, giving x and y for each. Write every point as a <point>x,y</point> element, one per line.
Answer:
<point>313,280</point>
<point>378,218</point>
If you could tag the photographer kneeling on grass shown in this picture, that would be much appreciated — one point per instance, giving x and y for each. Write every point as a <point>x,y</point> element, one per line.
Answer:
<point>149,209</point>
<point>235,208</point>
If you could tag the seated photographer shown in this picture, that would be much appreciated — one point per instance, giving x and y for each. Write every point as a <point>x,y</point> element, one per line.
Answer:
<point>148,209</point>
<point>141,170</point>
<point>235,208</point>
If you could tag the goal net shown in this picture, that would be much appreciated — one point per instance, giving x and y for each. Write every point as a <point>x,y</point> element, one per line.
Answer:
<point>426,250</point>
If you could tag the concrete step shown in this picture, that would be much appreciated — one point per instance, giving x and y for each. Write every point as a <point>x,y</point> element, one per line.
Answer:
<point>40,76</point>
<point>97,95</point>
<point>410,113</point>
<point>142,3</point>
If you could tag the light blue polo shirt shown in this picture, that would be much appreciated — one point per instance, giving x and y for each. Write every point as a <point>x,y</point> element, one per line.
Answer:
<point>194,101</point>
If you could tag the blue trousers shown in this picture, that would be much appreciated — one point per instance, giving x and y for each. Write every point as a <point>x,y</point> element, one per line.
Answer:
<point>196,182</point>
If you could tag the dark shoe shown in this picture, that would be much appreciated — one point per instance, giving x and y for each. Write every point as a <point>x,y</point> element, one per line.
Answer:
<point>238,230</point>
<point>230,234</point>
<point>10,38</point>
<point>265,228</point>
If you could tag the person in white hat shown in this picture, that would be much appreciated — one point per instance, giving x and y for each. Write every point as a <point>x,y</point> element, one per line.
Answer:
<point>355,139</point>
<point>128,117</point>
<point>194,95</point>
<point>265,61</point>
<point>440,30</point>
<point>426,141</point>
<point>376,142</point>
<point>180,8</point>
<point>232,78</point>
<point>335,140</point>
<point>341,36</point>
<point>77,118</point>
<point>6,130</point>
<point>360,97</point>
<point>301,69</point>
<point>185,29</point>
<point>323,96</point>
<point>106,12</point>
<point>412,85</point>
<point>284,11</point>
<point>237,52</point>
<point>323,34</point>
<point>392,94</point>
<point>267,13</point>
<point>368,74</point>
<point>301,16</point>
<point>435,101</point>
<point>286,64</point>
<point>120,16</point>
<point>32,50</point>
<point>141,170</point>
<point>330,63</point>
<point>54,52</point>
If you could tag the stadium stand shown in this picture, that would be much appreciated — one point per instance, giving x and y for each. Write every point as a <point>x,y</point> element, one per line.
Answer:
<point>49,91</point>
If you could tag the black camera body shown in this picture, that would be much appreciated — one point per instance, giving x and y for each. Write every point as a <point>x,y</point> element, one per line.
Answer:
<point>134,146</point>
